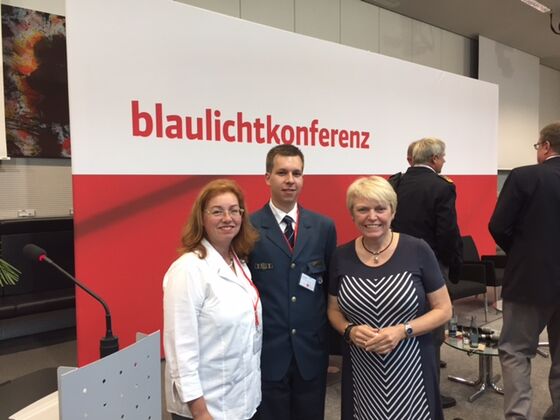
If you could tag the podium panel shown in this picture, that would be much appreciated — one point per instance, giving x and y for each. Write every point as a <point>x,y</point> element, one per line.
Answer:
<point>124,385</point>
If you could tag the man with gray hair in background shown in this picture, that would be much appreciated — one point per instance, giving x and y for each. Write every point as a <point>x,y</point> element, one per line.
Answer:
<point>426,209</point>
<point>395,179</point>
<point>526,225</point>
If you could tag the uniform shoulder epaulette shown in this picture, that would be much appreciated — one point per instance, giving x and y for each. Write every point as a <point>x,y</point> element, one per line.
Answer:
<point>395,180</point>
<point>446,178</point>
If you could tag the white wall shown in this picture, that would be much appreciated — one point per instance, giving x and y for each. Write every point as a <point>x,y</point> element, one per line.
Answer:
<point>549,104</point>
<point>49,6</point>
<point>357,24</point>
<point>517,74</point>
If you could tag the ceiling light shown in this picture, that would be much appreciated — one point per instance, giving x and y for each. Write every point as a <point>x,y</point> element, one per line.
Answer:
<point>536,5</point>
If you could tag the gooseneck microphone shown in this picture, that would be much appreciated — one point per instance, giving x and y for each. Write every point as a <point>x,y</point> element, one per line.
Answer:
<point>108,344</point>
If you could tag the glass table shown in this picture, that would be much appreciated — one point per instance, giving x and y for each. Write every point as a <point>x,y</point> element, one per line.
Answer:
<point>485,381</point>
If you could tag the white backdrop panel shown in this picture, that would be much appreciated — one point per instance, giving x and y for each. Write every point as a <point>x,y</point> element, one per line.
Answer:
<point>189,60</point>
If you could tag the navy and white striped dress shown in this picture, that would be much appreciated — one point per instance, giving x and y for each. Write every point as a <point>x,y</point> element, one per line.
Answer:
<point>403,383</point>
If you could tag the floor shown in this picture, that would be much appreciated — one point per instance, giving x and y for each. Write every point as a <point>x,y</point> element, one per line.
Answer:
<point>21,356</point>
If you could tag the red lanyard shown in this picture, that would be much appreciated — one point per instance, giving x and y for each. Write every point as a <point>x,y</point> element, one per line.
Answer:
<point>255,303</point>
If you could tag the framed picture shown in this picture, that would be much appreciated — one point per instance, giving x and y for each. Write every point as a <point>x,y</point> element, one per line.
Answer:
<point>35,83</point>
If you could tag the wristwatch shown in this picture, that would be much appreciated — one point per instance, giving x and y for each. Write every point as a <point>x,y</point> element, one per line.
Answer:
<point>347,330</point>
<point>408,330</point>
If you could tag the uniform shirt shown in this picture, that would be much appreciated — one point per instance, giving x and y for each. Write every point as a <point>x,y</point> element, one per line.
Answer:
<point>211,340</point>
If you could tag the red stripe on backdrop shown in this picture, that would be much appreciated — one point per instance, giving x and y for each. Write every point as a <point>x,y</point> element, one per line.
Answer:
<point>128,228</point>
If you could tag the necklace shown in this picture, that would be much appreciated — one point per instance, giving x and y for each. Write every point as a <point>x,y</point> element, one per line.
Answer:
<point>376,253</point>
<point>229,260</point>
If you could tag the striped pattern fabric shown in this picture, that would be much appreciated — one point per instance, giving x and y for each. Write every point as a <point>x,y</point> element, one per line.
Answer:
<point>385,386</point>
<point>289,230</point>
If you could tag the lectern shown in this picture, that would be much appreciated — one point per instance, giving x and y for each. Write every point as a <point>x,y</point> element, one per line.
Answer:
<point>123,385</point>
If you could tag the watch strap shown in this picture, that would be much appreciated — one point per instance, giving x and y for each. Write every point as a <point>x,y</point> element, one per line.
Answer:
<point>347,330</point>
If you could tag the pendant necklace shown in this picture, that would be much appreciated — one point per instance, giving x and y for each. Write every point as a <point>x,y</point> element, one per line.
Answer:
<point>376,253</point>
<point>231,261</point>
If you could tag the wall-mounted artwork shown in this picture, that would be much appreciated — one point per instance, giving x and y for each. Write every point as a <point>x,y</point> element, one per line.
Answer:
<point>35,83</point>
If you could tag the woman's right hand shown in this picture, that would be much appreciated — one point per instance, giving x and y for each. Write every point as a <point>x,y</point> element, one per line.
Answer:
<point>361,334</point>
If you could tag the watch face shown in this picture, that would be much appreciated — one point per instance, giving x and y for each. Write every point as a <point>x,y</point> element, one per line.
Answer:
<point>409,331</point>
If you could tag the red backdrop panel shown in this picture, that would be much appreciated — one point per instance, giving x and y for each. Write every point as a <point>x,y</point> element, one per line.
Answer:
<point>128,228</point>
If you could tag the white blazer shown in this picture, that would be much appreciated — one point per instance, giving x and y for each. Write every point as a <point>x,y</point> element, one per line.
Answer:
<point>211,339</point>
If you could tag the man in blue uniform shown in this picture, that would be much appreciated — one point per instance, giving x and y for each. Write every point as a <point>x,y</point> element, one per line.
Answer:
<point>289,267</point>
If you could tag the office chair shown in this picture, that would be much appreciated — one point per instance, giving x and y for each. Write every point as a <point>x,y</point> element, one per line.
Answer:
<point>472,276</point>
<point>494,264</point>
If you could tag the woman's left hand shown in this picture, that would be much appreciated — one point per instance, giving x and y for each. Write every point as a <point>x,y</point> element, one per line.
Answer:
<point>386,339</point>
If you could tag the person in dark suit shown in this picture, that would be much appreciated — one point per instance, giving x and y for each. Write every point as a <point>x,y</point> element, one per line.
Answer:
<point>427,210</point>
<point>395,179</point>
<point>289,265</point>
<point>526,225</point>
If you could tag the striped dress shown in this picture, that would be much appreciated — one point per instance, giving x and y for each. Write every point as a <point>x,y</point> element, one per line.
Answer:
<point>403,383</point>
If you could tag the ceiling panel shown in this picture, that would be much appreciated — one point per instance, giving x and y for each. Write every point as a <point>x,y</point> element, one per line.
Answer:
<point>509,22</point>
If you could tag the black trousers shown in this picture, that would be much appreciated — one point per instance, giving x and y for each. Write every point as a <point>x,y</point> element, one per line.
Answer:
<point>293,398</point>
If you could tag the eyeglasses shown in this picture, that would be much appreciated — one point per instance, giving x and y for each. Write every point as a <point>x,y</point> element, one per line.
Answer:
<point>219,212</point>
<point>538,145</point>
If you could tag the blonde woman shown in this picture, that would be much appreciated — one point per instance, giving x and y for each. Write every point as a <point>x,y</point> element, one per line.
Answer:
<point>386,295</point>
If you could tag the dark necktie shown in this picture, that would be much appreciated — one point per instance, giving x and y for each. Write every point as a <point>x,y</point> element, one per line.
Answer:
<point>289,230</point>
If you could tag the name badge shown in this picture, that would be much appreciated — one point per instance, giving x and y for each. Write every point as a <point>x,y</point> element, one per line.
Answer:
<point>307,282</point>
<point>264,266</point>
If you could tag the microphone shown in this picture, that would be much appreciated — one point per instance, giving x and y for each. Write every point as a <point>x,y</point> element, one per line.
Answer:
<point>108,344</point>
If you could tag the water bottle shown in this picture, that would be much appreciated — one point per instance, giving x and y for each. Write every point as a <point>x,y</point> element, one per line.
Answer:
<point>474,336</point>
<point>465,337</point>
<point>453,325</point>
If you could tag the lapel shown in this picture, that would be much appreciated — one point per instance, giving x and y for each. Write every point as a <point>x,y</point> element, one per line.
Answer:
<point>304,231</point>
<point>271,229</point>
<point>217,263</point>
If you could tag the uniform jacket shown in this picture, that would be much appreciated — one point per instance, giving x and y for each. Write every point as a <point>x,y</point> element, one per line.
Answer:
<point>211,340</point>
<point>526,225</point>
<point>294,318</point>
<point>426,209</point>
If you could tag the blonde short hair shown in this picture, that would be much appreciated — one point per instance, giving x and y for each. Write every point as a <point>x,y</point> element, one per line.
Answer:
<point>371,188</point>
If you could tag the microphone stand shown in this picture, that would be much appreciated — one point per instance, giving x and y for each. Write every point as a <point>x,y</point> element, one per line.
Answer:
<point>108,344</point>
